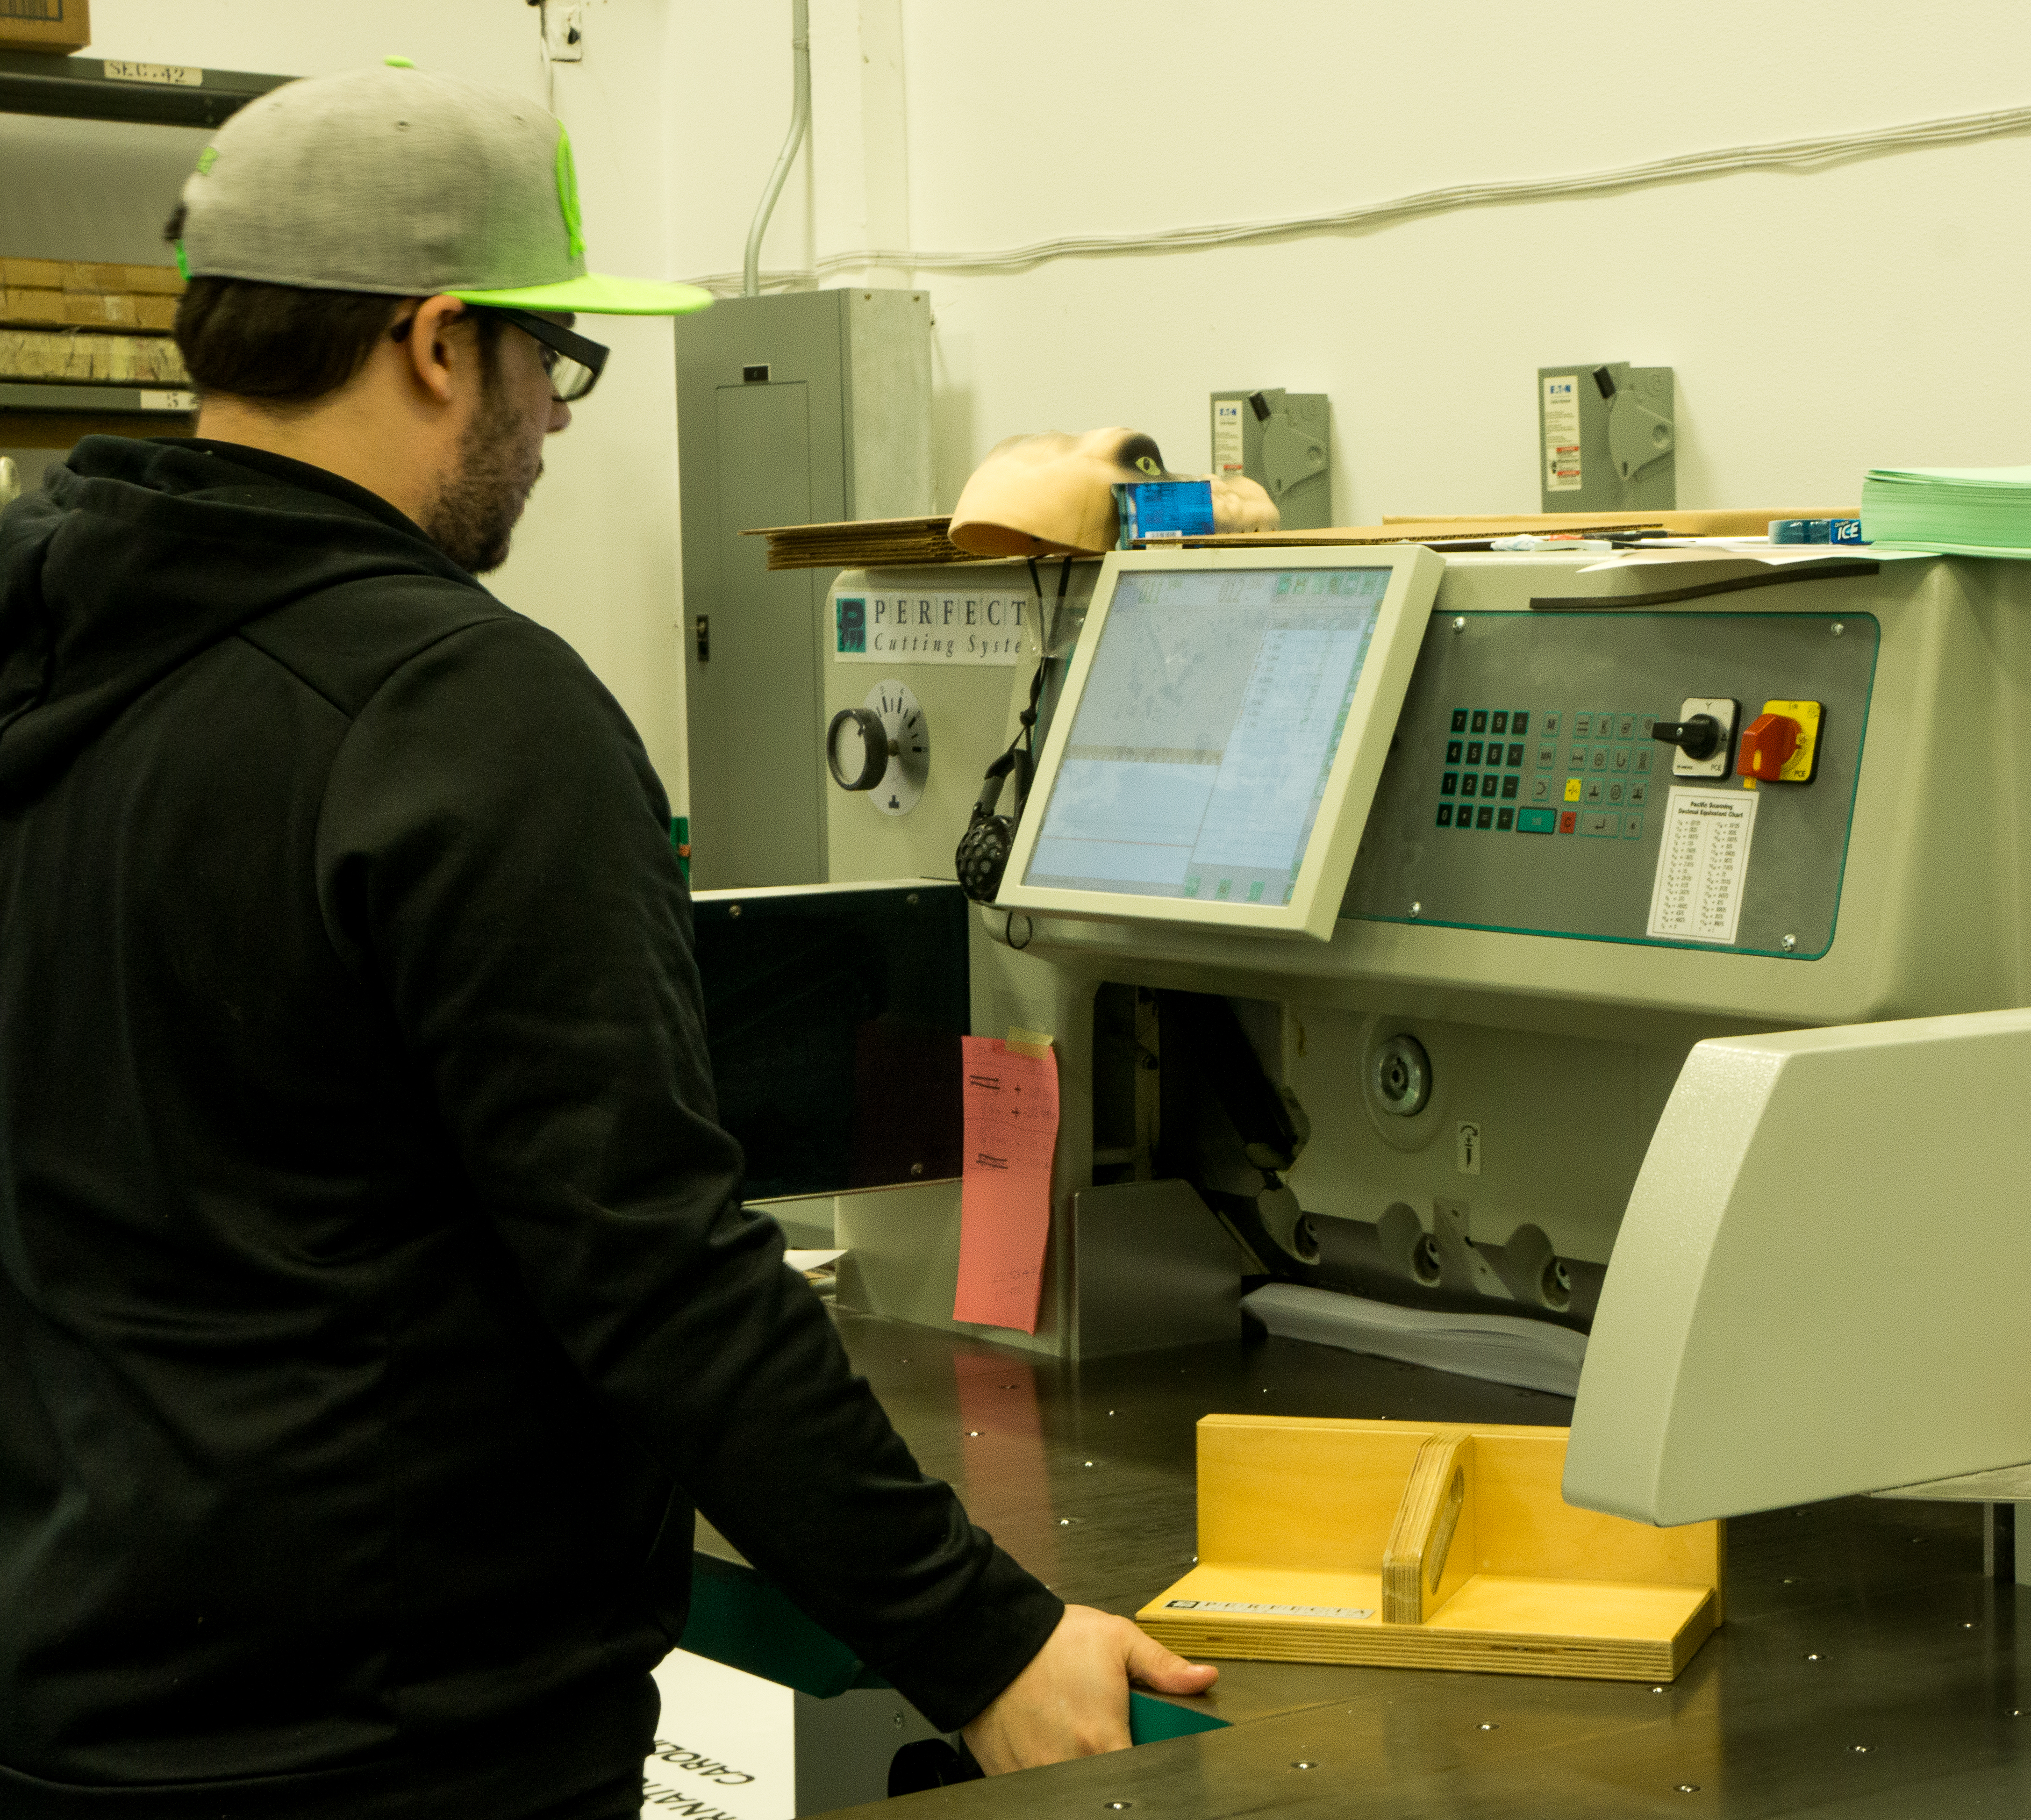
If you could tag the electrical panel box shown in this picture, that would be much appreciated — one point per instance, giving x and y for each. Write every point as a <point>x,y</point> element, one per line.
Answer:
<point>804,407</point>
<point>1607,438</point>
<point>1281,440</point>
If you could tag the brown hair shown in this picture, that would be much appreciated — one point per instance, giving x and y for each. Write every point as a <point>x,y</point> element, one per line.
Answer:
<point>282,343</point>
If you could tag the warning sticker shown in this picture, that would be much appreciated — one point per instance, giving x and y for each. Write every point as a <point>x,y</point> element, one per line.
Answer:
<point>1705,860</point>
<point>1561,434</point>
<point>1227,436</point>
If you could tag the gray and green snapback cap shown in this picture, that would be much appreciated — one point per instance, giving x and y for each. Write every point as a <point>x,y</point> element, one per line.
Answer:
<point>390,180</point>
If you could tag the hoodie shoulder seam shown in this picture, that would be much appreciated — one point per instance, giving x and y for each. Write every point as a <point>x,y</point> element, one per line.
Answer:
<point>244,633</point>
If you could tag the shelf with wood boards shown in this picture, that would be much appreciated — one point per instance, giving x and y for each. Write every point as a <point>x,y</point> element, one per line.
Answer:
<point>84,350</point>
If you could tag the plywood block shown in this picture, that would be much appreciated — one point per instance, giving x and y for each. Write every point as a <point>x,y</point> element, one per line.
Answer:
<point>31,274</point>
<point>1429,1546</point>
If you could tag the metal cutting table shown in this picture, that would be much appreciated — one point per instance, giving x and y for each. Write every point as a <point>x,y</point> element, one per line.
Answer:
<point>1867,1666</point>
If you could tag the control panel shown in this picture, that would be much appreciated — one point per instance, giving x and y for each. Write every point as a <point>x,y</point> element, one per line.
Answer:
<point>1681,778</point>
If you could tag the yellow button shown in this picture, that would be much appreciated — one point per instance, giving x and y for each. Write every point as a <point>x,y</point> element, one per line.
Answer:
<point>1572,789</point>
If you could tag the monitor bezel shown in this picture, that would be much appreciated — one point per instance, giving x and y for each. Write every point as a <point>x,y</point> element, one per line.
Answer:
<point>1350,785</point>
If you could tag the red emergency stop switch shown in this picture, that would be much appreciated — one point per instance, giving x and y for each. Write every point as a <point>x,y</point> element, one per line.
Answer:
<point>1768,743</point>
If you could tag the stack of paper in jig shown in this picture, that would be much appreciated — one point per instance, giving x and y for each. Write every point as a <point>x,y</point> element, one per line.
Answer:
<point>1980,511</point>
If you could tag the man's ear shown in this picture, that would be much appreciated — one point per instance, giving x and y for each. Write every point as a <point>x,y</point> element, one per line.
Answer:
<point>433,349</point>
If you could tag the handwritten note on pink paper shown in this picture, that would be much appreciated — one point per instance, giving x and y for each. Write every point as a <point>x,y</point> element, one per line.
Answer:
<point>1012,1127</point>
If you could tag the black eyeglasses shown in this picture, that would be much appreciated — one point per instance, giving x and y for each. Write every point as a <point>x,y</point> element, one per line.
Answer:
<point>573,363</point>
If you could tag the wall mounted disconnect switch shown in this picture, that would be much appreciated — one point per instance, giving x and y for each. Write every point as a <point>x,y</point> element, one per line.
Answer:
<point>564,31</point>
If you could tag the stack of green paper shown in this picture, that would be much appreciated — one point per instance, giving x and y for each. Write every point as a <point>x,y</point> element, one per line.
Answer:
<point>1975,511</point>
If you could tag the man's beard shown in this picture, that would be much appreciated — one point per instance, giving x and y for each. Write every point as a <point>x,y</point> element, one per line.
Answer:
<point>477,507</point>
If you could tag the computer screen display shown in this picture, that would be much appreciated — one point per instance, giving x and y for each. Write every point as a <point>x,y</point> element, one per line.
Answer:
<point>1200,749</point>
<point>1196,759</point>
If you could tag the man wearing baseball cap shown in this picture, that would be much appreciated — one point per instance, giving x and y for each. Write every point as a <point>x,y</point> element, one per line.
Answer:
<point>376,1302</point>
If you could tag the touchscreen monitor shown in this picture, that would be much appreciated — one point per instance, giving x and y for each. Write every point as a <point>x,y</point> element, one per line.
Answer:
<point>1221,734</point>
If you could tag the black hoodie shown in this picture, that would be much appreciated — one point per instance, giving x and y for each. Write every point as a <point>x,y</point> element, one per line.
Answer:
<point>375,1299</point>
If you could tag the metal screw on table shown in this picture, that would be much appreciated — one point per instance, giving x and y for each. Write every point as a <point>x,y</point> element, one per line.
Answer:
<point>1689,1788</point>
<point>733,909</point>
<point>973,1434</point>
<point>1859,1750</point>
<point>1789,942</point>
<point>1488,1725</point>
<point>1116,1807</point>
<point>1656,1690</point>
<point>1837,628</point>
<point>1459,625</point>
<point>1812,1655</point>
<point>1304,1765</point>
<point>1417,908</point>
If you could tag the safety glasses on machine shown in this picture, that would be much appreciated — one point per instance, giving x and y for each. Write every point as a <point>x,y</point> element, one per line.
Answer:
<point>573,363</point>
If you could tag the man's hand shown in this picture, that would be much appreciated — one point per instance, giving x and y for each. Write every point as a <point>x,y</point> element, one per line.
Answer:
<point>1072,1700</point>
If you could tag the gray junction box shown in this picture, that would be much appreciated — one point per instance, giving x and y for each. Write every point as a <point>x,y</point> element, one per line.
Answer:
<point>805,407</point>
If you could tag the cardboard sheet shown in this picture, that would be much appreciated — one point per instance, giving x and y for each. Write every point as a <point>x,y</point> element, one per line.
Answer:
<point>1012,1127</point>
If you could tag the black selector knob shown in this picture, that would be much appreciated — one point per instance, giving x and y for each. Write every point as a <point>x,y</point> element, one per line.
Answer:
<point>1698,738</point>
<point>875,748</point>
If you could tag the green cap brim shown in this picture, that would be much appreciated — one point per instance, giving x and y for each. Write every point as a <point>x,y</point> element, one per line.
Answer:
<point>595,295</point>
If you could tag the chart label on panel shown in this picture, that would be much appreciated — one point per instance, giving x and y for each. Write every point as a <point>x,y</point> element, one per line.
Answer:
<point>1702,866</point>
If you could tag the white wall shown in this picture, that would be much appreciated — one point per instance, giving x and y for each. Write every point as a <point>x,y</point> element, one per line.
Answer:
<point>595,558</point>
<point>1870,312</point>
<point>1819,324</point>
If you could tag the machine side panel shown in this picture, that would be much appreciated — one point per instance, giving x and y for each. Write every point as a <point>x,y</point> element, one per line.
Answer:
<point>1818,1287</point>
<point>1559,830</point>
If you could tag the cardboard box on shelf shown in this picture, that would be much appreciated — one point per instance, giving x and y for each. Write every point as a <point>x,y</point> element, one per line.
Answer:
<point>55,26</point>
